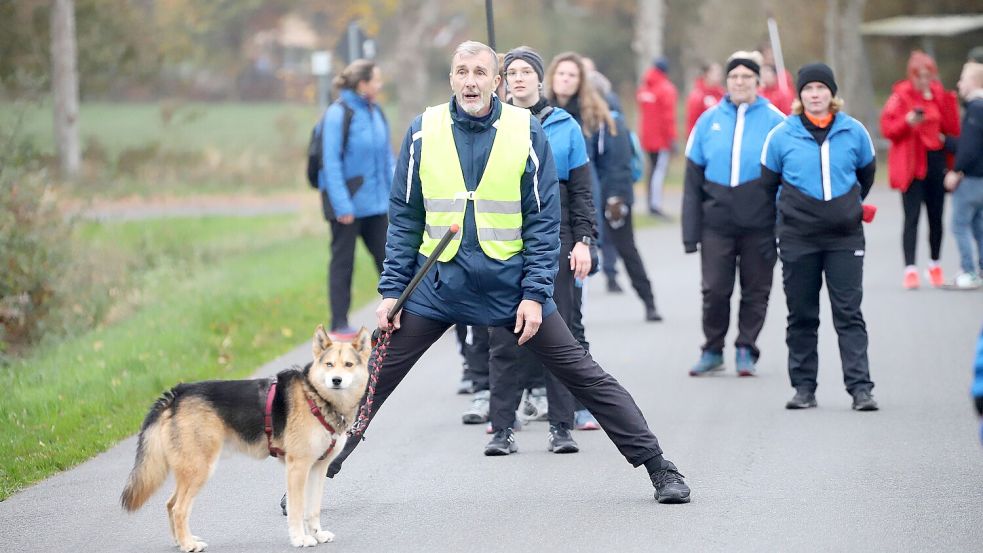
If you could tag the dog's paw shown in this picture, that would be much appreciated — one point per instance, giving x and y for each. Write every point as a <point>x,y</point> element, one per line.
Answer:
<point>194,545</point>
<point>303,541</point>
<point>323,536</point>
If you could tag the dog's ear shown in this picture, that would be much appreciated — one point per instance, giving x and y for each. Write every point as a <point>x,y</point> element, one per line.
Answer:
<point>321,341</point>
<point>363,341</point>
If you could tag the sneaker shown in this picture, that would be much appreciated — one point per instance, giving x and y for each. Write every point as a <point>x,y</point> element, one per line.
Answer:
<point>710,361</point>
<point>802,400</point>
<point>744,361</point>
<point>934,276</point>
<point>911,281</point>
<point>614,287</point>
<point>669,485</point>
<point>863,401</point>
<point>283,504</point>
<point>502,443</point>
<point>478,412</point>
<point>516,426</point>
<point>344,333</point>
<point>466,386</point>
<point>652,314</point>
<point>584,420</point>
<point>560,440</point>
<point>967,281</point>
<point>535,406</point>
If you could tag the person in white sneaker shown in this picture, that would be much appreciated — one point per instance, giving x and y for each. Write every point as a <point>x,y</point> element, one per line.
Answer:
<point>965,181</point>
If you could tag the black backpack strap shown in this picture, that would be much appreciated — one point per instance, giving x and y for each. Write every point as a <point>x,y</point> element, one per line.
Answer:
<point>346,126</point>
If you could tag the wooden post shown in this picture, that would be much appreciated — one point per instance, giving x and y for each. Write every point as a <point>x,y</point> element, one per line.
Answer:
<point>65,87</point>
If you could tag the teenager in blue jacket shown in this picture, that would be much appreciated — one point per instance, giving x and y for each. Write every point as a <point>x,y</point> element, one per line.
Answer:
<point>730,214</point>
<point>822,162</point>
<point>511,365</point>
<point>479,285</point>
<point>354,181</point>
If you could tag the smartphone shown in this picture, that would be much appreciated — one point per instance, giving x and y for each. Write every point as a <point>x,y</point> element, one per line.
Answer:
<point>919,111</point>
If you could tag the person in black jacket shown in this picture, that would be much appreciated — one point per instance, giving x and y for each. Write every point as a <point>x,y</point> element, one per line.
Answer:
<point>509,363</point>
<point>820,232</point>
<point>965,181</point>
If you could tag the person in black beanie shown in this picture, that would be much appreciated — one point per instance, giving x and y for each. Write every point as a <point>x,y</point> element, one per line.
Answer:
<point>819,230</point>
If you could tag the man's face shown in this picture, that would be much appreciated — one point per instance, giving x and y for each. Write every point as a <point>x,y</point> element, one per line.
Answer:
<point>967,82</point>
<point>473,79</point>
<point>742,85</point>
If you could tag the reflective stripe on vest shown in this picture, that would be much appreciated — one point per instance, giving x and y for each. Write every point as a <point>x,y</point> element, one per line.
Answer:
<point>497,200</point>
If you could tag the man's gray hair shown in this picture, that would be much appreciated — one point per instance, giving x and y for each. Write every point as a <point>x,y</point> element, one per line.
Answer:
<point>473,48</point>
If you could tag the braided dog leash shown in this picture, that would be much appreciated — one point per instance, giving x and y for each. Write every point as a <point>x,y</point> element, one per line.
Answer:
<point>379,352</point>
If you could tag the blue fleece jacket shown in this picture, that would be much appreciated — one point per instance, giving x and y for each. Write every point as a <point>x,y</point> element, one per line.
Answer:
<point>368,156</point>
<point>473,288</point>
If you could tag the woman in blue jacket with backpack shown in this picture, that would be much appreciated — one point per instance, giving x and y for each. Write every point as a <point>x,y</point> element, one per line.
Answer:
<point>822,163</point>
<point>354,180</point>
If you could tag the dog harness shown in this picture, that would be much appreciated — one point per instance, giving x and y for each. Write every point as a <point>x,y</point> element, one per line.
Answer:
<point>268,425</point>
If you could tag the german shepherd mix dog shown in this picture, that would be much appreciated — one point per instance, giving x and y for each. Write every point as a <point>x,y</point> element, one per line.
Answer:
<point>303,421</point>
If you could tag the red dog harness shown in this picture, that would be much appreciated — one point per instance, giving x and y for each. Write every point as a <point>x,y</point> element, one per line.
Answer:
<point>268,425</point>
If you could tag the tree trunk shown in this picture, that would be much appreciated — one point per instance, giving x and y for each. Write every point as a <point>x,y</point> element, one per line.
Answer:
<point>845,49</point>
<point>649,33</point>
<point>417,19</point>
<point>65,87</point>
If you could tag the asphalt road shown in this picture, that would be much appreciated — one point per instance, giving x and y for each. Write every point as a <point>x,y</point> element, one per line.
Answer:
<point>906,478</point>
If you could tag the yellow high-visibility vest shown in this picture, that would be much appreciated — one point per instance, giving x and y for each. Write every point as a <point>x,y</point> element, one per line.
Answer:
<point>497,198</point>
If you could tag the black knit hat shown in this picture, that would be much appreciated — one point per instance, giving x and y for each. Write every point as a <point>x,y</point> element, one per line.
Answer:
<point>815,73</point>
<point>527,55</point>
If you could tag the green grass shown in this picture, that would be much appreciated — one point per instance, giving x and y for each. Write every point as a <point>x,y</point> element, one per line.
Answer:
<point>250,290</point>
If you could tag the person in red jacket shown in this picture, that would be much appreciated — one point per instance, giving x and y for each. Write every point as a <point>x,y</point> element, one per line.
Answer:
<point>657,126</point>
<point>707,91</point>
<point>917,118</point>
<point>780,97</point>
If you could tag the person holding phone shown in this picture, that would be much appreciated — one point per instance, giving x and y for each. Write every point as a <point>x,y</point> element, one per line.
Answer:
<point>917,118</point>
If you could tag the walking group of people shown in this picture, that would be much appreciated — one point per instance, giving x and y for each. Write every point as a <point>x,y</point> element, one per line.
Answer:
<point>537,173</point>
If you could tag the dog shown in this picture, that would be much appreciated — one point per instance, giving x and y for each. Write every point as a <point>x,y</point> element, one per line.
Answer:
<point>186,428</point>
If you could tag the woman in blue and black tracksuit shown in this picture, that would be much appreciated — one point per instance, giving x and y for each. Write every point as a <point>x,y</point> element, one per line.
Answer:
<point>822,163</point>
<point>354,181</point>
<point>729,213</point>
<point>511,365</point>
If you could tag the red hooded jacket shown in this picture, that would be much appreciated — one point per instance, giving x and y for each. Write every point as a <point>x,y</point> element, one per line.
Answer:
<point>907,158</point>
<point>700,99</point>
<point>657,111</point>
<point>780,100</point>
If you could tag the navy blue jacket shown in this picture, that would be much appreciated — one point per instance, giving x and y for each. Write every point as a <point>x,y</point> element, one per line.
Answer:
<point>969,146</point>
<point>473,288</point>
<point>368,161</point>
<point>722,191</point>
<point>612,155</point>
<point>820,187</point>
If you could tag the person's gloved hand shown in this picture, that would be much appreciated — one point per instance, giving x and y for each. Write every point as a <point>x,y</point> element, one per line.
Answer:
<point>690,247</point>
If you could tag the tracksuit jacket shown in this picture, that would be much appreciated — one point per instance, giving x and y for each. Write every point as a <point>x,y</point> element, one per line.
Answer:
<point>574,174</point>
<point>721,187</point>
<point>358,186</point>
<point>820,188</point>
<point>969,152</point>
<point>473,288</point>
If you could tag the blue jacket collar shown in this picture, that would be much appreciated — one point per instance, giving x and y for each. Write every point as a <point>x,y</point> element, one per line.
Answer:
<point>732,107</point>
<point>354,99</point>
<point>465,121</point>
<point>557,115</point>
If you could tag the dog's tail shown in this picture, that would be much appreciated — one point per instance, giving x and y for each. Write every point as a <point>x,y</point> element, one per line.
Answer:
<point>150,467</point>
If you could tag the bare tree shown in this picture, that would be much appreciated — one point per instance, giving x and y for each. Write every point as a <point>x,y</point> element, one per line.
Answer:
<point>417,19</point>
<point>846,55</point>
<point>65,86</point>
<point>649,33</point>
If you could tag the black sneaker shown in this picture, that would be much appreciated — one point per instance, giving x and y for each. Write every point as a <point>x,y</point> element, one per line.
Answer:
<point>283,504</point>
<point>652,314</point>
<point>863,401</point>
<point>502,443</point>
<point>614,287</point>
<point>560,440</point>
<point>669,485</point>
<point>802,400</point>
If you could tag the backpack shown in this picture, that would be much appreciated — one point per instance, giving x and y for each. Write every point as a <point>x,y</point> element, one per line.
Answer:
<point>637,154</point>
<point>315,148</point>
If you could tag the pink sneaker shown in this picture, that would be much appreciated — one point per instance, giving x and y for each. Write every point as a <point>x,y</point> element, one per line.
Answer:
<point>911,281</point>
<point>935,276</point>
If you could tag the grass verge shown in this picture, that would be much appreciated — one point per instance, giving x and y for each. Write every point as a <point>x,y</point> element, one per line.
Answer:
<point>221,316</point>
